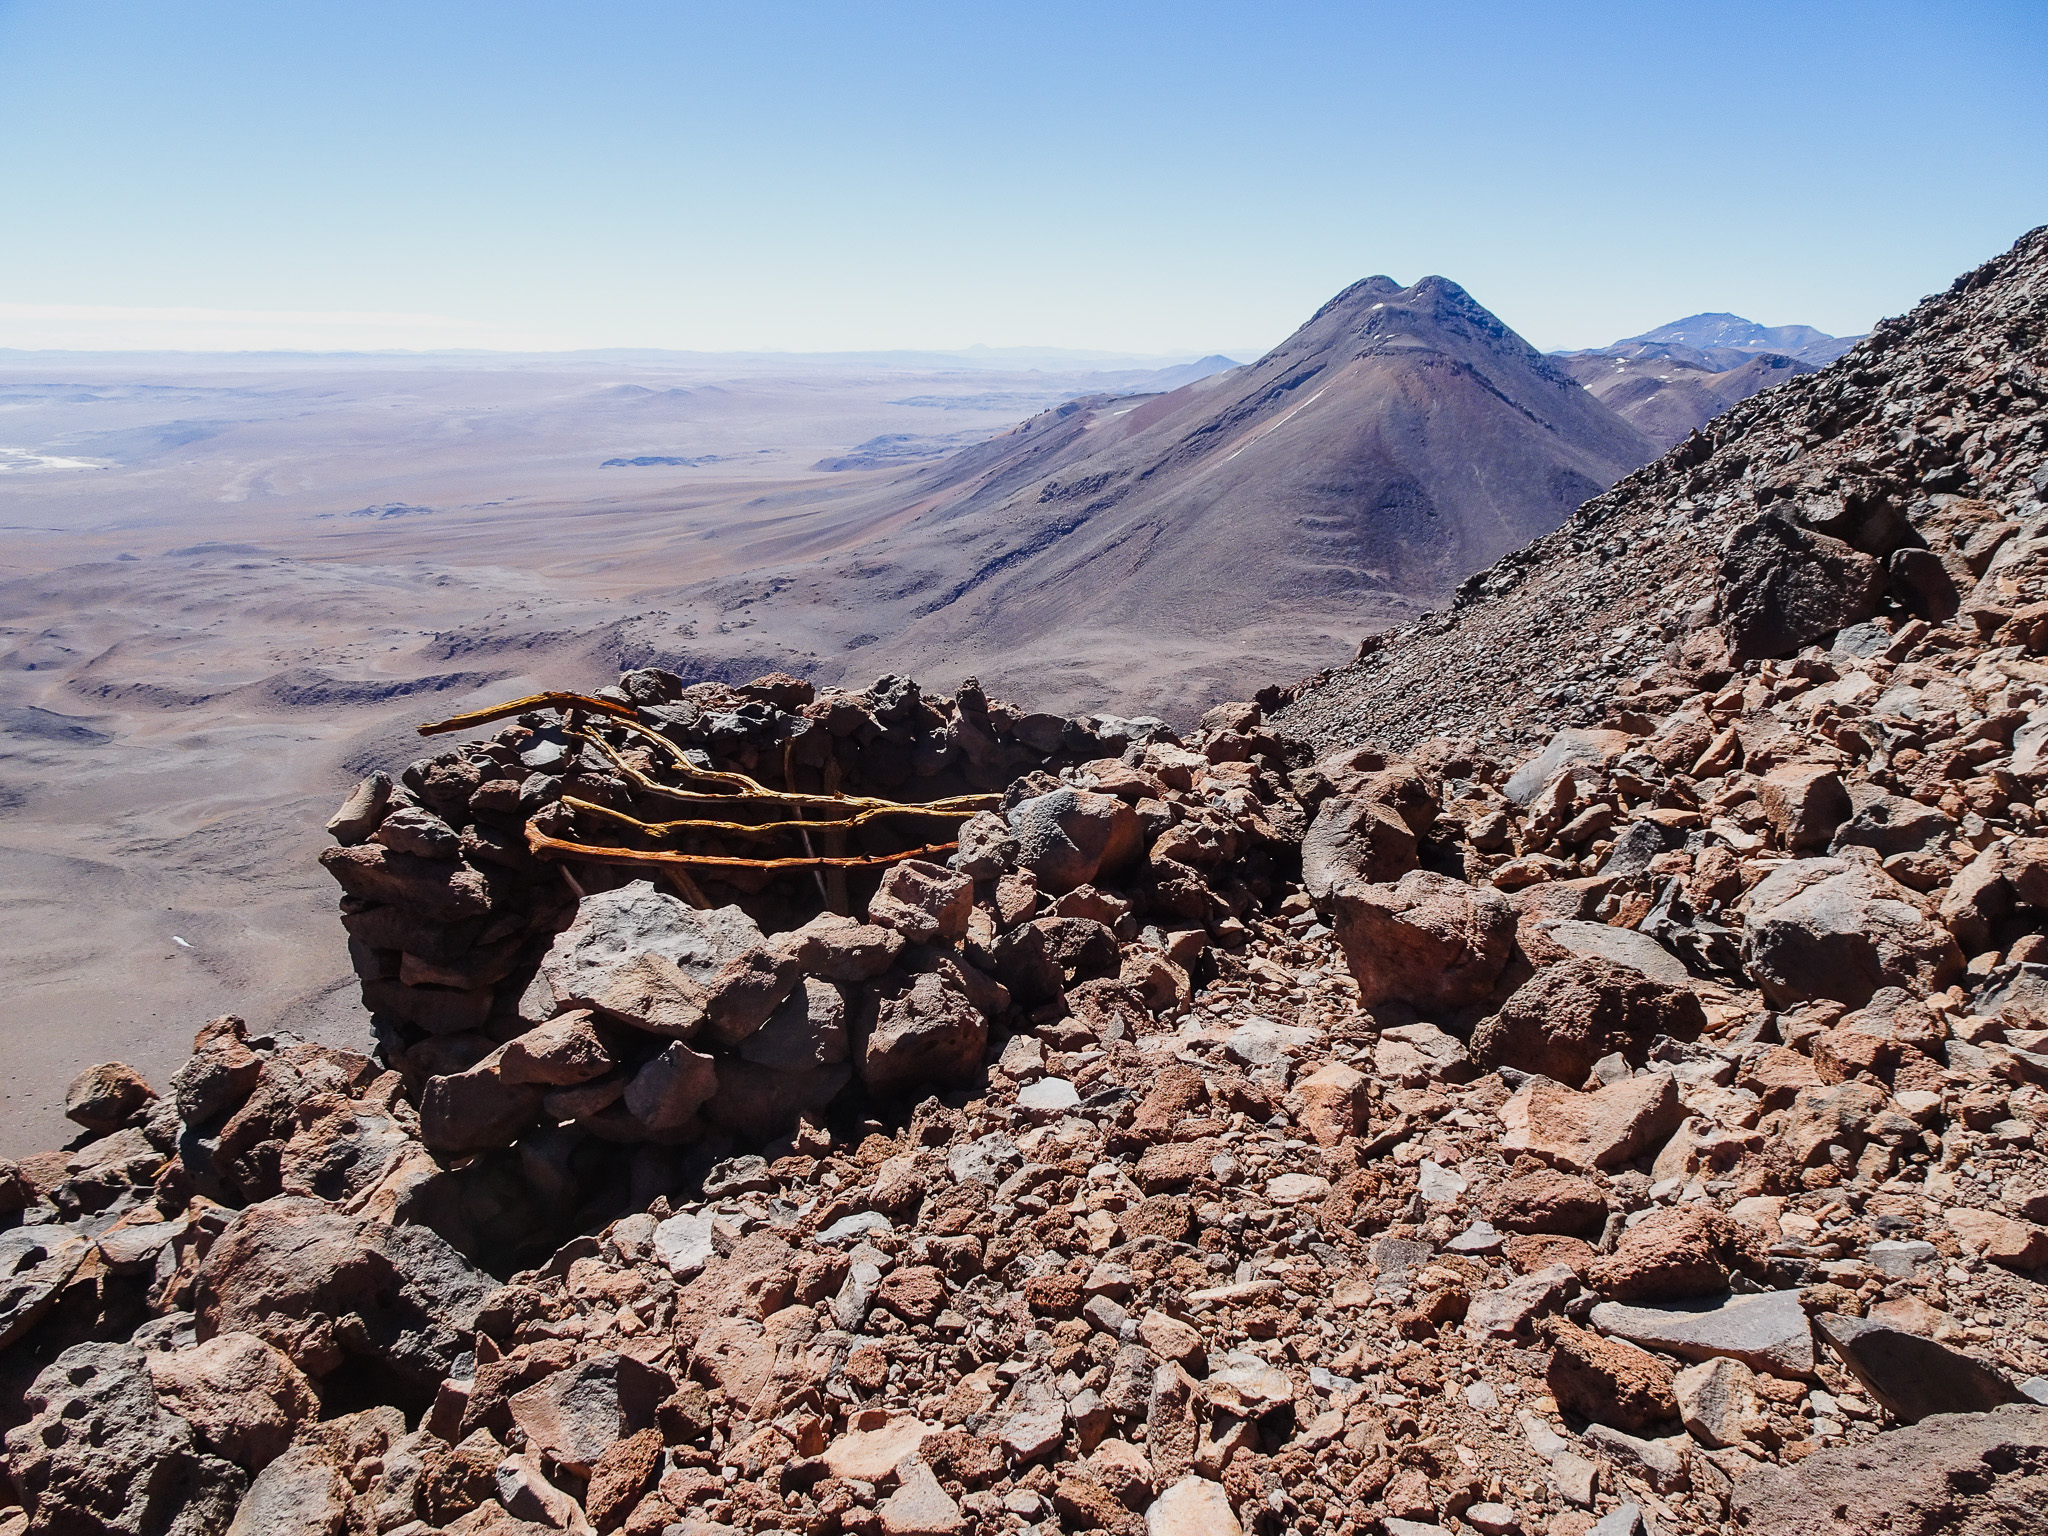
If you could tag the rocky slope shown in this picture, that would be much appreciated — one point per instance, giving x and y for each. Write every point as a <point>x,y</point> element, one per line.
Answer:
<point>1921,451</point>
<point>1625,1112</point>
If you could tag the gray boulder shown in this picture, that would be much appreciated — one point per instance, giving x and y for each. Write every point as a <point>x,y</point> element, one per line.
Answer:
<point>808,1030</point>
<point>1355,837</point>
<point>1571,748</point>
<point>100,1453</point>
<point>1913,1377</point>
<point>670,1087</point>
<point>1619,946</point>
<point>362,810</point>
<point>611,927</point>
<point>1569,1015</point>
<point>987,847</point>
<point>322,1286</point>
<point>1888,824</point>
<point>1767,1332</point>
<point>1840,929</point>
<point>1782,585</point>
<point>415,829</point>
<point>1923,585</point>
<point>36,1263</point>
<point>1069,836</point>
<point>1636,845</point>
<point>476,1109</point>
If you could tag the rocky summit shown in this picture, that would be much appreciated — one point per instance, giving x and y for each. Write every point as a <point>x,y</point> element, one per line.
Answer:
<point>1581,1069</point>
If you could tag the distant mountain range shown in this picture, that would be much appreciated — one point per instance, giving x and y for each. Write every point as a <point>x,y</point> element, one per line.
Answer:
<point>1732,332</point>
<point>1677,378</point>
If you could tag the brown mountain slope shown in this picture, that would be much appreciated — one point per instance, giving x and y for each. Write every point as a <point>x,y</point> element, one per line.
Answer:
<point>1666,396</point>
<point>1928,435</point>
<point>1157,550</point>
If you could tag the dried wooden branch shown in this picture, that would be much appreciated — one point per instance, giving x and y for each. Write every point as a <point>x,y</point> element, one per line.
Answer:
<point>835,813</point>
<point>584,701</point>
<point>666,829</point>
<point>554,847</point>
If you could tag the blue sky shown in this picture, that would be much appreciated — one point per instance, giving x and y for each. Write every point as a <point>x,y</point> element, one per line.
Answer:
<point>1137,177</point>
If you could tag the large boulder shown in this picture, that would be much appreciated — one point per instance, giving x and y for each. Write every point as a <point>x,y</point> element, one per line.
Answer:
<point>1676,1253</point>
<point>343,1476</point>
<point>1765,1331</point>
<point>343,1148</point>
<point>1804,802</point>
<point>1371,834</point>
<point>1354,839</point>
<point>246,1151</point>
<point>1602,941</point>
<point>1546,1201</point>
<point>1579,1132</point>
<point>107,1097</point>
<point>245,1397</point>
<point>1841,929</point>
<point>670,1087</point>
<point>1571,748</point>
<point>2010,873</point>
<point>438,890</point>
<point>100,1453</point>
<point>1888,824</point>
<point>1609,1382</point>
<point>1965,1474</point>
<point>219,1074</point>
<point>835,948</point>
<point>479,1108</point>
<point>745,991</point>
<point>322,1286</point>
<point>614,927</point>
<point>1569,1015</point>
<point>808,1030</point>
<point>1427,940</point>
<point>918,1032</point>
<point>560,1052</point>
<point>582,1411</point>
<point>1782,585</point>
<point>37,1262</point>
<point>1913,1377</point>
<point>924,902</point>
<point>1069,836</point>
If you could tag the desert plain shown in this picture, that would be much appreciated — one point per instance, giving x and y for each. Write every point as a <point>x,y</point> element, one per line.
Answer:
<point>231,585</point>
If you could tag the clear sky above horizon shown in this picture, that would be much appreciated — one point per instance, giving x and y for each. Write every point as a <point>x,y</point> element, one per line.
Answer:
<point>1134,177</point>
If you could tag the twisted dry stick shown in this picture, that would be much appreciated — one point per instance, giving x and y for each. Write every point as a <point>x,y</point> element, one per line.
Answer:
<point>732,789</point>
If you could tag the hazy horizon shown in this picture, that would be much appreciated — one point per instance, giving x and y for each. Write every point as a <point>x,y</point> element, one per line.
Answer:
<point>1145,180</point>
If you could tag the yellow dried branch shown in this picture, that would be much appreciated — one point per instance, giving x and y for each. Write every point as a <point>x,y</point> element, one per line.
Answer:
<point>621,712</point>
<point>661,829</point>
<point>554,847</point>
<point>623,715</point>
<point>965,804</point>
